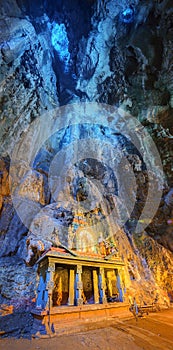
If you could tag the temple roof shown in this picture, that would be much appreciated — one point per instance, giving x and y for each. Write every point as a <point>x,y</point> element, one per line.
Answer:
<point>63,252</point>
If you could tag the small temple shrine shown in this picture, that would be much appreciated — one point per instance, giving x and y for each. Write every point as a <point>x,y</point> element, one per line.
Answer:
<point>71,282</point>
<point>69,278</point>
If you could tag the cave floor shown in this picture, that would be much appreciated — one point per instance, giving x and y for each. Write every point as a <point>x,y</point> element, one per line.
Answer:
<point>155,331</point>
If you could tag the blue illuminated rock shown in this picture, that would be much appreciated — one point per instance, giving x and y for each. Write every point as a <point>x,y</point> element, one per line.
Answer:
<point>60,42</point>
<point>127,16</point>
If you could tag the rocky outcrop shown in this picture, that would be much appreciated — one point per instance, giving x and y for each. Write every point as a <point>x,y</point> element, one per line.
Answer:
<point>5,190</point>
<point>159,261</point>
<point>26,75</point>
<point>136,74</point>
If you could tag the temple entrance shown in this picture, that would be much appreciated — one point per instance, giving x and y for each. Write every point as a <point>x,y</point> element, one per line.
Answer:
<point>60,293</point>
<point>88,289</point>
<point>112,292</point>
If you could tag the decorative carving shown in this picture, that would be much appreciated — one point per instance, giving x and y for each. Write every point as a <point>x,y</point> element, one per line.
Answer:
<point>101,270</point>
<point>49,285</point>
<point>79,269</point>
<point>107,248</point>
<point>79,285</point>
<point>51,267</point>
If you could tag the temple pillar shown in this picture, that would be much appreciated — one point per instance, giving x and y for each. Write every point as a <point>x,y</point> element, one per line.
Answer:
<point>71,288</point>
<point>109,283</point>
<point>102,286</point>
<point>79,285</point>
<point>40,291</point>
<point>119,286</point>
<point>49,285</point>
<point>95,285</point>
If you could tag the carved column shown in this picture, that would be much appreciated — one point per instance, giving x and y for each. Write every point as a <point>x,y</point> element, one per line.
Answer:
<point>71,288</point>
<point>95,285</point>
<point>109,283</point>
<point>102,285</point>
<point>49,284</point>
<point>41,290</point>
<point>79,285</point>
<point>119,286</point>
